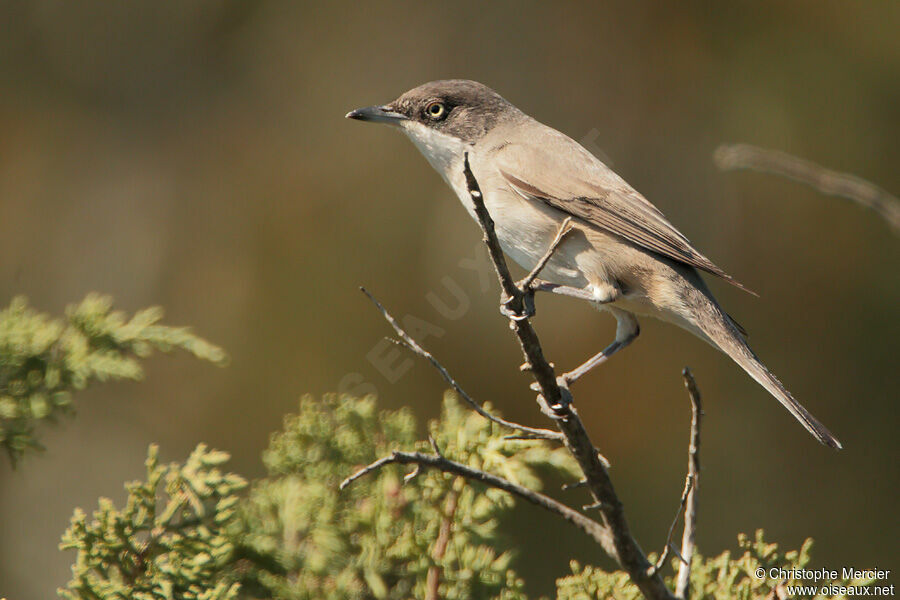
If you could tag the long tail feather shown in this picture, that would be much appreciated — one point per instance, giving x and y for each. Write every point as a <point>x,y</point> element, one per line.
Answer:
<point>717,326</point>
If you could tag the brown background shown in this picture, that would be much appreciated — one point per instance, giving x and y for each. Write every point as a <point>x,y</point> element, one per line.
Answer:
<point>194,155</point>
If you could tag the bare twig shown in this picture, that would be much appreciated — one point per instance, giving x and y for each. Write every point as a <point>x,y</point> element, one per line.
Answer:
<point>592,528</point>
<point>683,580</point>
<point>574,485</point>
<point>385,460</point>
<point>832,183</point>
<point>688,486</point>
<point>618,542</point>
<point>531,347</point>
<point>409,342</point>
<point>434,446</point>
<point>412,474</point>
<point>527,437</point>
<point>564,228</point>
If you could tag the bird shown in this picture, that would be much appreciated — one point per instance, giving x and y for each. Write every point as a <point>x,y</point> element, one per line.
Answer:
<point>620,253</point>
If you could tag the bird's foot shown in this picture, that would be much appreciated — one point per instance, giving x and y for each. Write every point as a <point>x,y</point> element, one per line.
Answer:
<point>517,308</point>
<point>558,411</point>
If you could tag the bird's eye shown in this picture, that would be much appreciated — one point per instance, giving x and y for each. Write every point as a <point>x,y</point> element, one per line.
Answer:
<point>436,111</point>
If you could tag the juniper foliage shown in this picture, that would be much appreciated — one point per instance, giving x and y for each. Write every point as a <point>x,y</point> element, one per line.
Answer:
<point>721,577</point>
<point>192,531</point>
<point>43,360</point>
<point>380,538</point>
<point>186,533</point>
<point>169,541</point>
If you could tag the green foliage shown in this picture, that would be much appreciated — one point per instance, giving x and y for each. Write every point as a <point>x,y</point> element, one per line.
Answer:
<point>168,542</point>
<point>42,360</point>
<point>719,578</point>
<point>184,533</point>
<point>381,538</point>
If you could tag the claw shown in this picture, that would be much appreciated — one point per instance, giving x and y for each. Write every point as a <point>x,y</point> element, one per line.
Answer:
<point>557,411</point>
<point>511,314</point>
<point>547,409</point>
<point>527,305</point>
<point>528,301</point>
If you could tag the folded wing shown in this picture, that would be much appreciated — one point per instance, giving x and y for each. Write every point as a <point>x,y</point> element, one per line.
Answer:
<point>573,181</point>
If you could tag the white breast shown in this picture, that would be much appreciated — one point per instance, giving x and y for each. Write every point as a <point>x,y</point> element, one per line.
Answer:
<point>524,229</point>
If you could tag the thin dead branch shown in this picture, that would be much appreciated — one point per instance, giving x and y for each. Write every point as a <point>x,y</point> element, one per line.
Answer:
<point>409,342</point>
<point>564,228</point>
<point>683,580</point>
<point>619,543</point>
<point>610,530</point>
<point>435,461</point>
<point>688,486</point>
<point>729,157</point>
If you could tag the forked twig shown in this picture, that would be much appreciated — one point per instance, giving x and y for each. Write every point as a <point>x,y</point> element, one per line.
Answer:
<point>436,461</point>
<point>683,580</point>
<point>688,485</point>
<point>409,342</point>
<point>620,544</point>
<point>610,530</point>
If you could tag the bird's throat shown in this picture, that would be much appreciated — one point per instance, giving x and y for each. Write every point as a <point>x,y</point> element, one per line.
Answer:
<point>444,152</point>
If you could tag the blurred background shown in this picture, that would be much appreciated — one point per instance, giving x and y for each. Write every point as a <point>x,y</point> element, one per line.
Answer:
<point>194,155</point>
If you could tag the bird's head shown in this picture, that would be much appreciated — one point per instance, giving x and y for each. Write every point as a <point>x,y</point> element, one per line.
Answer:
<point>457,108</point>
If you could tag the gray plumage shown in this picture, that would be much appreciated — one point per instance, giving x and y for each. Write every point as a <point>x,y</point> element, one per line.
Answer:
<point>623,251</point>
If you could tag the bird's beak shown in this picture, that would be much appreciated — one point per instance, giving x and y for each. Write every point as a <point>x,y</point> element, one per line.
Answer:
<point>377,114</point>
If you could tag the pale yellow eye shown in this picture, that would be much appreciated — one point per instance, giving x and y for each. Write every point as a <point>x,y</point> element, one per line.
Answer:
<point>436,110</point>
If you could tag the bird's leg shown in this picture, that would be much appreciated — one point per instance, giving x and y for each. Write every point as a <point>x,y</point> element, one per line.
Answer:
<point>627,330</point>
<point>539,285</point>
<point>596,360</point>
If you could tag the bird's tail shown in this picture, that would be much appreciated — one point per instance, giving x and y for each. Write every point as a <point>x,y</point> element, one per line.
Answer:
<point>722,332</point>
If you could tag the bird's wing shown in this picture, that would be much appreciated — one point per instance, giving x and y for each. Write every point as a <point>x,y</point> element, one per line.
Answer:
<point>559,172</point>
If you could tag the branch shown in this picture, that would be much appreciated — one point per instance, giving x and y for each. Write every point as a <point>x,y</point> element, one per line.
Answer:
<point>744,156</point>
<point>683,581</point>
<point>688,486</point>
<point>436,461</point>
<point>619,544</point>
<point>409,342</point>
<point>564,228</point>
